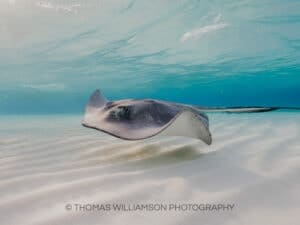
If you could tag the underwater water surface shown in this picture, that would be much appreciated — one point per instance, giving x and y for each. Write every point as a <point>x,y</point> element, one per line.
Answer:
<point>54,54</point>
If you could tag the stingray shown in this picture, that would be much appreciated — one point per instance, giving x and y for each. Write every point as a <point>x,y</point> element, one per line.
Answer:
<point>136,119</point>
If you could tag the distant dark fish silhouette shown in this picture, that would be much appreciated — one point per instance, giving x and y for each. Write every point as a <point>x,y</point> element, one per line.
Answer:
<point>132,119</point>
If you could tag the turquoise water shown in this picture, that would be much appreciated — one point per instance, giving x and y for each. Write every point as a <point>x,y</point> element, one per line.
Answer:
<point>53,54</point>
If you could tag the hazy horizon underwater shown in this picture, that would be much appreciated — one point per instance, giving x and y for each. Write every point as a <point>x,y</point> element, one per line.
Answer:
<point>55,53</point>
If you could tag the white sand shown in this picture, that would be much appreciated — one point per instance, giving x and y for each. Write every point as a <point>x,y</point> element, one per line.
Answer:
<point>48,162</point>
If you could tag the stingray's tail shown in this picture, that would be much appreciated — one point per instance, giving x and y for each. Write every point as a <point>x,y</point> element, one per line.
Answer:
<point>249,109</point>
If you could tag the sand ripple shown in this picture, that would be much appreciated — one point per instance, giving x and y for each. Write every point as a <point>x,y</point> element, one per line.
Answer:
<point>254,162</point>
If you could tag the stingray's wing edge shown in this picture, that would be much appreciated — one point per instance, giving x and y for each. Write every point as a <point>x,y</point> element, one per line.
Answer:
<point>96,100</point>
<point>188,124</point>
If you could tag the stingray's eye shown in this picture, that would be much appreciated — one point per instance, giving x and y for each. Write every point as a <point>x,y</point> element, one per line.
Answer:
<point>124,112</point>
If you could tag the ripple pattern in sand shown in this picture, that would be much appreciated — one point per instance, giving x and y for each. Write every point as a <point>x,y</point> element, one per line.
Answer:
<point>253,157</point>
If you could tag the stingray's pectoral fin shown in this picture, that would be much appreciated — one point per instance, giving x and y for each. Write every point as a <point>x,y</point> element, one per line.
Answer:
<point>96,100</point>
<point>189,124</point>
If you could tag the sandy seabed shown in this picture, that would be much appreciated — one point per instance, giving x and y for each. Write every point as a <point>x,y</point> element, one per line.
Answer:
<point>55,172</point>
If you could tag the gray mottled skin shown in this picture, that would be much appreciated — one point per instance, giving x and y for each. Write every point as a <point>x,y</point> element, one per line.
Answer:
<point>138,119</point>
